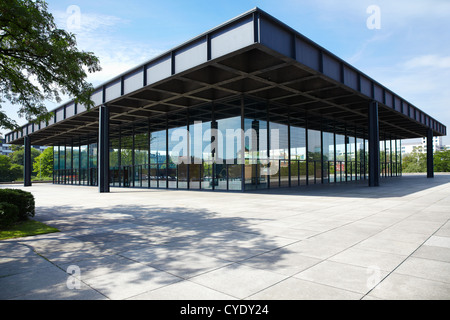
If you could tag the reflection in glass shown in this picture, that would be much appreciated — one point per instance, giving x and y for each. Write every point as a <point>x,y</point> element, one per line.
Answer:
<point>314,156</point>
<point>360,154</point>
<point>340,157</point>
<point>328,156</point>
<point>158,174</point>
<point>256,156</point>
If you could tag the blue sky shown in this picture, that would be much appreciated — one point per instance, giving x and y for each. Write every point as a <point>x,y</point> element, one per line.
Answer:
<point>409,53</point>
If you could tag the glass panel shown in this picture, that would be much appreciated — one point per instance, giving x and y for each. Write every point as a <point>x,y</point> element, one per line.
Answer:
<point>55,157</point>
<point>298,154</point>
<point>314,156</point>
<point>234,177</point>
<point>340,158</point>
<point>255,131</point>
<point>228,119</point>
<point>178,149</point>
<point>194,176</point>
<point>93,155</point>
<point>172,175</point>
<point>383,171</point>
<point>68,178</point>
<point>126,148</point>
<point>162,175</point>
<point>207,181</point>
<point>361,155</point>
<point>221,176</point>
<point>141,145</point>
<point>158,153</point>
<point>55,164</point>
<point>279,146</point>
<point>114,161</point>
<point>154,176</point>
<point>92,164</point>
<point>200,147</point>
<point>351,158</point>
<point>366,159</point>
<point>62,157</point>
<point>388,150</point>
<point>182,176</point>
<point>328,156</point>
<point>76,164</point>
<point>399,157</point>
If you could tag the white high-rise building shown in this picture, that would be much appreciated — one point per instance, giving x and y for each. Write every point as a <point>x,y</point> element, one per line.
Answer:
<point>437,144</point>
<point>421,146</point>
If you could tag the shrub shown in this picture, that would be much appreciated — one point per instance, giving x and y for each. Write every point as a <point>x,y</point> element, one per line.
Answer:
<point>9,214</point>
<point>22,199</point>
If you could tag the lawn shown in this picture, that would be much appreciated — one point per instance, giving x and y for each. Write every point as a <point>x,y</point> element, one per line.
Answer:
<point>26,229</point>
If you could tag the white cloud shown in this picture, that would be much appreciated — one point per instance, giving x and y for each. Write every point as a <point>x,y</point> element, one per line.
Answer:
<point>97,33</point>
<point>81,23</point>
<point>428,61</point>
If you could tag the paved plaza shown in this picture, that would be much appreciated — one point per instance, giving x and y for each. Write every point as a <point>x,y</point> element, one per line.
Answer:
<point>344,241</point>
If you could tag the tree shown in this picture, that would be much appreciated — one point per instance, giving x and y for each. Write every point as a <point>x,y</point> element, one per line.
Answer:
<point>38,61</point>
<point>8,170</point>
<point>414,162</point>
<point>43,164</point>
<point>441,161</point>
<point>18,155</point>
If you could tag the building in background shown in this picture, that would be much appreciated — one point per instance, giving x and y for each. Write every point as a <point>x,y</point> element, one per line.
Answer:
<point>5,148</point>
<point>421,146</point>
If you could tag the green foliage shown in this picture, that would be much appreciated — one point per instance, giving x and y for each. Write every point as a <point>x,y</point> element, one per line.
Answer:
<point>39,61</point>
<point>441,161</point>
<point>22,199</point>
<point>43,164</point>
<point>417,161</point>
<point>18,155</point>
<point>8,171</point>
<point>9,214</point>
<point>15,172</point>
<point>414,162</point>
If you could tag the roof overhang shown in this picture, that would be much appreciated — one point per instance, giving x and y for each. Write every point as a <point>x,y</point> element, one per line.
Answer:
<point>253,55</point>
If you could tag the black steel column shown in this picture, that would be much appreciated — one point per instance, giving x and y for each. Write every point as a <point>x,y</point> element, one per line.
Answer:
<point>27,162</point>
<point>430,164</point>
<point>103,149</point>
<point>374,146</point>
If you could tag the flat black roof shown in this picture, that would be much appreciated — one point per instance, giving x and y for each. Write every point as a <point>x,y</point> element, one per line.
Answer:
<point>254,55</point>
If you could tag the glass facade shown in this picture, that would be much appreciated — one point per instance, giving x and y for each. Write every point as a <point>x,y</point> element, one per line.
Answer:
<point>239,144</point>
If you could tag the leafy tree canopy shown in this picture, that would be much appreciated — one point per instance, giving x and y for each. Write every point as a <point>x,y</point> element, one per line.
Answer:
<point>38,61</point>
<point>43,164</point>
<point>9,171</point>
<point>441,161</point>
<point>417,161</point>
<point>17,157</point>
